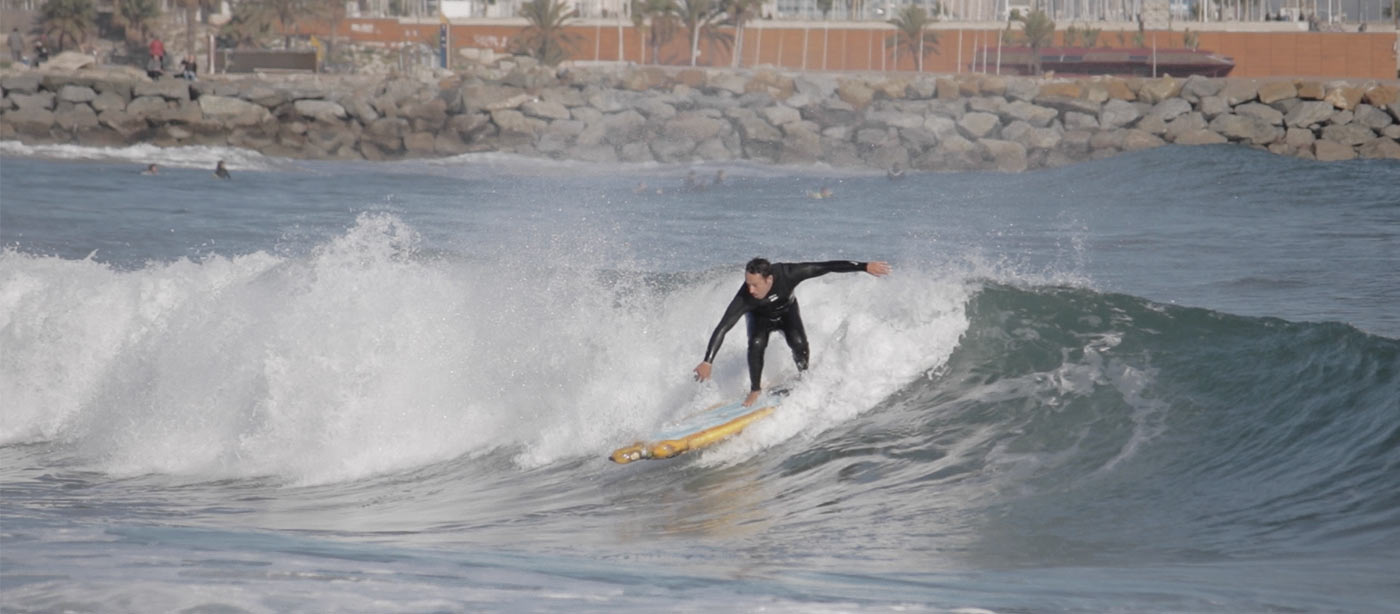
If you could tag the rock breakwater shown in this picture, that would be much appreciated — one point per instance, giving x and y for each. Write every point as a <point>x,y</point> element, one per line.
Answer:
<point>642,114</point>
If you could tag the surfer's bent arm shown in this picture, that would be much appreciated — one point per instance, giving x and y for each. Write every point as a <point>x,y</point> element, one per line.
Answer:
<point>736,310</point>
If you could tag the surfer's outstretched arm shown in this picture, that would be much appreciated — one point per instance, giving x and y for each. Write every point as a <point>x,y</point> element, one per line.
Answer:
<point>807,270</point>
<point>736,310</point>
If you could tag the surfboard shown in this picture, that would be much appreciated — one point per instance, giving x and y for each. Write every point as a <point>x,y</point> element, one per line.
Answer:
<point>706,428</point>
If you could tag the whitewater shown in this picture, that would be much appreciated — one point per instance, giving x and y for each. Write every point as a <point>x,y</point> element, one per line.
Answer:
<point>1163,382</point>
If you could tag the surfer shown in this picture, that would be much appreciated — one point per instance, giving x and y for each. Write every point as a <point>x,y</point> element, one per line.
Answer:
<point>766,298</point>
<point>221,171</point>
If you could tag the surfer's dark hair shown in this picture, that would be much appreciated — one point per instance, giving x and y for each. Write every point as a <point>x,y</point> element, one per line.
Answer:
<point>759,266</point>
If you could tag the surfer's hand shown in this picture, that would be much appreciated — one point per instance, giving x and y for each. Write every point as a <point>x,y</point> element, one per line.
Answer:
<point>702,372</point>
<point>878,269</point>
<point>753,398</point>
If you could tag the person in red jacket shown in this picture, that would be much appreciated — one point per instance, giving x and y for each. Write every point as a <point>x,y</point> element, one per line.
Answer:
<point>158,49</point>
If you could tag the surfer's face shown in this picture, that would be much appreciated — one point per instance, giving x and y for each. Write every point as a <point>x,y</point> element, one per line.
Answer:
<point>758,284</point>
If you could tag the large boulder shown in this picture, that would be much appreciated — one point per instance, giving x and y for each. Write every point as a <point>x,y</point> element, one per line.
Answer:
<point>1239,91</point>
<point>755,129</point>
<point>695,127</point>
<point>1246,128</point>
<point>1118,114</point>
<point>22,83</point>
<point>1345,97</point>
<point>1034,115</point>
<point>320,110</point>
<point>1009,157</point>
<point>76,94</point>
<point>1197,87</point>
<point>1261,111</point>
<point>1371,117</point>
<point>1170,108</point>
<point>32,121</point>
<point>1154,91</point>
<point>233,111</point>
<point>1309,112</point>
<point>1351,135</point>
<point>977,125</point>
<point>1329,151</point>
<point>1274,91</point>
<point>1380,148</point>
<point>40,101</point>
<point>855,93</point>
<point>169,89</point>
<point>69,61</point>
<point>515,124</point>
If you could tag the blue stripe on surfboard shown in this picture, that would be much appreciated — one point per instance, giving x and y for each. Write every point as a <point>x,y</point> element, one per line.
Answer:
<point>714,417</point>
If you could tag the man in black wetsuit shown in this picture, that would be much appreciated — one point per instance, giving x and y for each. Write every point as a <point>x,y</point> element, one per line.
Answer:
<point>766,297</point>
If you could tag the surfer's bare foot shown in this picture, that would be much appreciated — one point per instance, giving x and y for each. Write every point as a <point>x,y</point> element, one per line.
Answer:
<point>753,397</point>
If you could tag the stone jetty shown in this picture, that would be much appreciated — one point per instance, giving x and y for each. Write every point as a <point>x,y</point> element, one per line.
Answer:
<point>675,115</point>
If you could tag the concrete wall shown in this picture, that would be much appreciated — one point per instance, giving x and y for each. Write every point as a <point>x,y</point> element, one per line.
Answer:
<point>861,47</point>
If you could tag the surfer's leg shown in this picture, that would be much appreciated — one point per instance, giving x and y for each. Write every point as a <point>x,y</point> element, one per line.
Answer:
<point>758,343</point>
<point>796,336</point>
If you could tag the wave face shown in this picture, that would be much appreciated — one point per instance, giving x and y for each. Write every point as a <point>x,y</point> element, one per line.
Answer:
<point>1096,428</point>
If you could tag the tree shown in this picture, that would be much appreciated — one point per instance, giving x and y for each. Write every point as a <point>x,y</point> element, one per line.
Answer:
<point>136,17</point>
<point>740,13</point>
<point>285,13</point>
<point>658,19</point>
<point>854,9</point>
<point>701,18</point>
<point>63,20</point>
<point>1039,30</point>
<point>250,21</point>
<point>545,38</point>
<point>333,12</point>
<point>912,33</point>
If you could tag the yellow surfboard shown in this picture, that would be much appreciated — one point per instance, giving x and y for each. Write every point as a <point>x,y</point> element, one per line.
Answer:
<point>700,430</point>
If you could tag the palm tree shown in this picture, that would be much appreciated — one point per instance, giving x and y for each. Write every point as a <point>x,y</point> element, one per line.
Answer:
<point>854,8</point>
<point>67,19</point>
<point>545,38</point>
<point>136,17</point>
<point>911,32</point>
<point>701,18</point>
<point>1039,30</point>
<point>658,19</point>
<point>286,13</point>
<point>740,12</point>
<point>251,20</point>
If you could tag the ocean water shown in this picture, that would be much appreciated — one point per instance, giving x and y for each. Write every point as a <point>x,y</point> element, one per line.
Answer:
<point>1163,382</point>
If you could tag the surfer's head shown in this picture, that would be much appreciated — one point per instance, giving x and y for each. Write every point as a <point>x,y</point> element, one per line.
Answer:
<point>758,276</point>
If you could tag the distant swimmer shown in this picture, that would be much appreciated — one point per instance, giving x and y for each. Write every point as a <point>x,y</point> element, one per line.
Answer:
<point>691,183</point>
<point>895,173</point>
<point>151,169</point>
<point>825,192</point>
<point>767,300</point>
<point>221,171</point>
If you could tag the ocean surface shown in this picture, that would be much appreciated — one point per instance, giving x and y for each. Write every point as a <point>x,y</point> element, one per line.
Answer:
<point>1164,382</point>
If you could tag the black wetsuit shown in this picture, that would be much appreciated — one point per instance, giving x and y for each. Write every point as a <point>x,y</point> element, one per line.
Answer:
<point>776,311</point>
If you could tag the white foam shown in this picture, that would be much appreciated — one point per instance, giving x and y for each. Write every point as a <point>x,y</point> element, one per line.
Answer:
<point>365,357</point>
<point>194,156</point>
